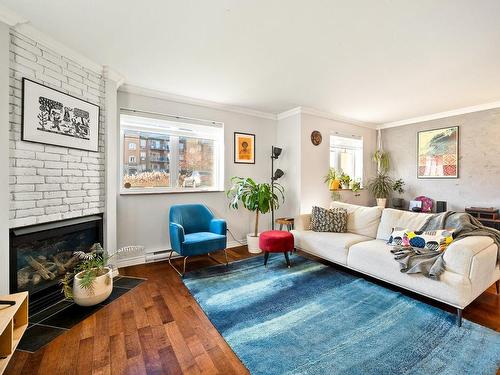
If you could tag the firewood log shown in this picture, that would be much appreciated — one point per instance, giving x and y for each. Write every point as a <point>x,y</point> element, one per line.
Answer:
<point>36,279</point>
<point>46,274</point>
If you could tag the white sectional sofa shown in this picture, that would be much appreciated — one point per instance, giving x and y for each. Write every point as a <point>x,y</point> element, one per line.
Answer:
<point>470,264</point>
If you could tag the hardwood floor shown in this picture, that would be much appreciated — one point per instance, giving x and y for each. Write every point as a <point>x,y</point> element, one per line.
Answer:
<point>158,328</point>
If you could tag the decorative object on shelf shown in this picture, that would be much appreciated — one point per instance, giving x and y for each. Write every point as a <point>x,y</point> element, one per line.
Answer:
<point>53,117</point>
<point>441,206</point>
<point>275,175</point>
<point>93,281</point>
<point>316,138</point>
<point>258,198</point>
<point>487,216</point>
<point>398,188</point>
<point>332,178</point>
<point>437,153</point>
<point>244,148</point>
<point>427,203</point>
<point>13,324</point>
<point>381,187</point>
<point>345,180</point>
<point>415,206</point>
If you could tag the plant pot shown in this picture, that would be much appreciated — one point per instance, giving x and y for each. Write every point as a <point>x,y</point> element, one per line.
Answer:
<point>253,243</point>
<point>103,286</point>
<point>381,202</point>
<point>397,202</point>
<point>334,185</point>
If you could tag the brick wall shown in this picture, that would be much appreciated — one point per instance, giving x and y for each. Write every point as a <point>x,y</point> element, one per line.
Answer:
<point>49,183</point>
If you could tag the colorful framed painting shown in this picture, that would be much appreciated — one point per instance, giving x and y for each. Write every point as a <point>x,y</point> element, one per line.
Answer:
<point>244,148</point>
<point>52,117</point>
<point>437,153</point>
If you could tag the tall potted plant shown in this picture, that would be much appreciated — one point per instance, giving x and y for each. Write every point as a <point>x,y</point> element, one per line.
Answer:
<point>258,198</point>
<point>381,186</point>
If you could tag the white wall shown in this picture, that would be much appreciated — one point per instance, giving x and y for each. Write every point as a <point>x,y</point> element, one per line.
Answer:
<point>143,219</point>
<point>315,160</point>
<point>288,138</point>
<point>4,158</point>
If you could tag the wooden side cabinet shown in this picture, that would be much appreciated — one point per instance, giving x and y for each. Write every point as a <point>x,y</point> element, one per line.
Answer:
<point>13,324</point>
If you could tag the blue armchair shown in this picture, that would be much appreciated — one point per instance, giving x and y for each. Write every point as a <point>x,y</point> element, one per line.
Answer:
<point>195,231</point>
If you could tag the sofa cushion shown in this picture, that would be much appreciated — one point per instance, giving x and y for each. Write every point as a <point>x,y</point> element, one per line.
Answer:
<point>327,245</point>
<point>360,219</point>
<point>329,220</point>
<point>392,218</point>
<point>375,259</point>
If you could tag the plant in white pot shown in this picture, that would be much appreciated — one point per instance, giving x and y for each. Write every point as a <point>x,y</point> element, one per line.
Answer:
<point>381,187</point>
<point>258,198</point>
<point>92,281</point>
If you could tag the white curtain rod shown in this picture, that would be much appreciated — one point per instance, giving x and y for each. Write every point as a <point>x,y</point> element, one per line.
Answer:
<point>172,116</point>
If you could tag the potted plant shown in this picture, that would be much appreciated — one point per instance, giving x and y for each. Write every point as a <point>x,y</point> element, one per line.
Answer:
<point>398,188</point>
<point>356,187</point>
<point>258,198</point>
<point>381,186</point>
<point>332,179</point>
<point>345,180</point>
<point>92,281</point>
<point>382,160</point>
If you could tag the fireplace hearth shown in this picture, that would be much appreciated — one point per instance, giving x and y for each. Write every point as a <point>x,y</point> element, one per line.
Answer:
<point>40,256</point>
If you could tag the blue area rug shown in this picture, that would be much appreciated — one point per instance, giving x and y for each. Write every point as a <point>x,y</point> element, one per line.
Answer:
<point>315,319</point>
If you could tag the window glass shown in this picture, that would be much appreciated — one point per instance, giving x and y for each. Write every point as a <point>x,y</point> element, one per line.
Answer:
<point>346,155</point>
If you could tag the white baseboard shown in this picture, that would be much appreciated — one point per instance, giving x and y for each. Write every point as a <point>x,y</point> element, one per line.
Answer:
<point>152,255</point>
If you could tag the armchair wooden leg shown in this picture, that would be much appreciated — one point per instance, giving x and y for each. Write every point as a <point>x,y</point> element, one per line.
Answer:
<point>175,269</point>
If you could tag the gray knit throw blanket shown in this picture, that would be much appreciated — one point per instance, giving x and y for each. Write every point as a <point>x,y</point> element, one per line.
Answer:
<point>430,263</point>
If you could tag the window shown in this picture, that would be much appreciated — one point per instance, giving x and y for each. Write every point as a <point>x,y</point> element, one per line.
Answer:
<point>174,156</point>
<point>346,155</point>
<point>132,146</point>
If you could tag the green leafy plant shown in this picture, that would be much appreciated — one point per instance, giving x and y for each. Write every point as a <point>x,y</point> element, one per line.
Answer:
<point>345,179</point>
<point>91,265</point>
<point>258,198</point>
<point>381,185</point>
<point>356,186</point>
<point>382,160</point>
<point>398,186</point>
<point>331,176</point>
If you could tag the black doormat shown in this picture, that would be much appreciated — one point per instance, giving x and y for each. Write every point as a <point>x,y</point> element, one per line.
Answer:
<point>47,324</point>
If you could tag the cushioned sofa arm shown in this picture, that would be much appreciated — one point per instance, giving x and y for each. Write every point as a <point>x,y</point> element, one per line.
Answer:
<point>459,255</point>
<point>218,226</point>
<point>302,222</point>
<point>176,236</point>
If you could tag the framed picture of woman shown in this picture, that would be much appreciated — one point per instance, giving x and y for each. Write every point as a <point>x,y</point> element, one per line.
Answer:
<point>244,148</point>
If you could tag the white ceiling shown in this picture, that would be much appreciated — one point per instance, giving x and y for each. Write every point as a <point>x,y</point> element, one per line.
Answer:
<point>374,61</point>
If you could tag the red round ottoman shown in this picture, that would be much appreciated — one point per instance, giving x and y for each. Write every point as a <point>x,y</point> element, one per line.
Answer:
<point>276,241</point>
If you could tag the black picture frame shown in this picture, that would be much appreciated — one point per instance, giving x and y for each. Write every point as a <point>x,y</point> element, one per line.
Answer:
<point>25,138</point>
<point>235,148</point>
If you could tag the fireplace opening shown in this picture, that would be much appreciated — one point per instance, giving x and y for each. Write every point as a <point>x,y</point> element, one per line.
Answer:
<point>40,256</point>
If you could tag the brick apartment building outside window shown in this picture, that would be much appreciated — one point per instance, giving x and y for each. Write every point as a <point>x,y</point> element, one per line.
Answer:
<point>162,155</point>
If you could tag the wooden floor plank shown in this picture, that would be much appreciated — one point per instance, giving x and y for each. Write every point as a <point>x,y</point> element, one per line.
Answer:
<point>158,328</point>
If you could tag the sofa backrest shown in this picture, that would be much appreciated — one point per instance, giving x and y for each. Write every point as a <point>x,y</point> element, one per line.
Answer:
<point>392,218</point>
<point>360,219</point>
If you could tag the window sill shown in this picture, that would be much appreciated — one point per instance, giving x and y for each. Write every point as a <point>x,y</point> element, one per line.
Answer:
<point>147,191</point>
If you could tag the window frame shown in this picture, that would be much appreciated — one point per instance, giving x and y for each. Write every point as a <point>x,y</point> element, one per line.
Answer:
<point>362,149</point>
<point>219,154</point>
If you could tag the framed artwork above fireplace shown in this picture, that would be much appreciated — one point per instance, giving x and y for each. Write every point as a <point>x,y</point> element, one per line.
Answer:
<point>53,117</point>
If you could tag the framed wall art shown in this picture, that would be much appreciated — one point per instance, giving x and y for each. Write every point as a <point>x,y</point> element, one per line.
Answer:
<point>244,148</point>
<point>53,117</point>
<point>437,153</point>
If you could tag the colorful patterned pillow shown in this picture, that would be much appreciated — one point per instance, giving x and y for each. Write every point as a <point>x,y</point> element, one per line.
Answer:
<point>329,220</point>
<point>430,240</point>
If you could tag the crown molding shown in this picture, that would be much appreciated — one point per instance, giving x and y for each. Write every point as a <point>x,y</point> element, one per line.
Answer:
<point>439,115</point>
<point>137,90</point>
<point>113,75</point>
<point>10,17</point>
<point>323,114</point>
<point>42,38</point>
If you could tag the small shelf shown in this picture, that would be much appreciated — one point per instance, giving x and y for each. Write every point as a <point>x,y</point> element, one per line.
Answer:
<point>13,324</point>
